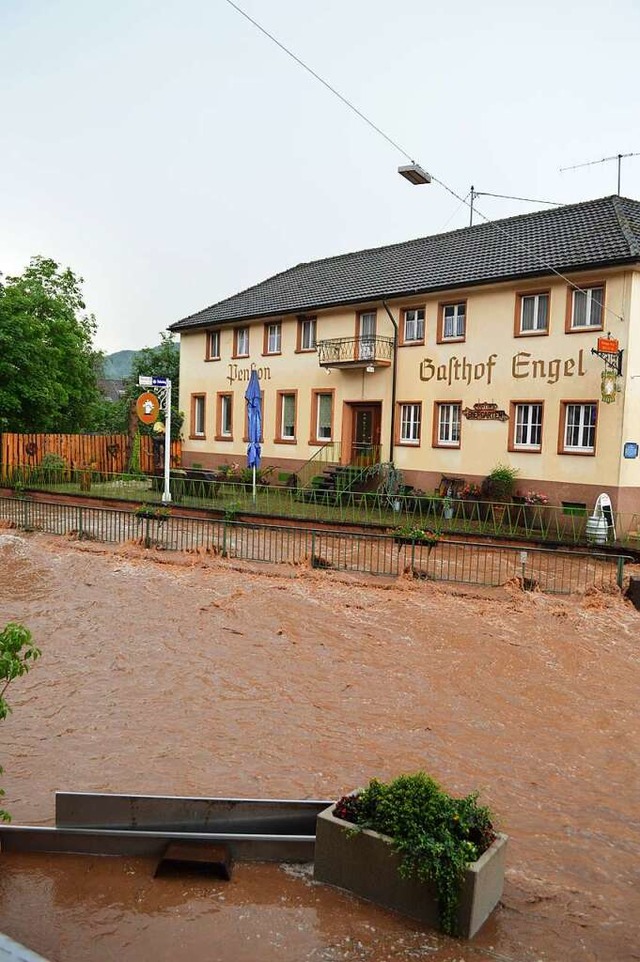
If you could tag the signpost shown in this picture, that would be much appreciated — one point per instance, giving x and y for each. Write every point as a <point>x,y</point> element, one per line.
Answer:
<point>163,389</point>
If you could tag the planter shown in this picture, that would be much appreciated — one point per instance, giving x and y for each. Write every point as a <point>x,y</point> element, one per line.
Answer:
<point>365,864</point>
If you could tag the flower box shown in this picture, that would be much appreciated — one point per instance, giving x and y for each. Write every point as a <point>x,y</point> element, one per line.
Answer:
<point>364,863</point>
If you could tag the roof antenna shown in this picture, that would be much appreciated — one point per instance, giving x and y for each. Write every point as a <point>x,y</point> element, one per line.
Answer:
<point>603,160</point>
<point>485,193</point>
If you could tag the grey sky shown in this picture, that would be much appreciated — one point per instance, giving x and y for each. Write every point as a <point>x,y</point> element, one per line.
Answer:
<point>172,155</point>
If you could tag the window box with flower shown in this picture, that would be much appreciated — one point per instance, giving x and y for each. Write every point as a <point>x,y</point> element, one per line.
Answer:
<point>412,534</point>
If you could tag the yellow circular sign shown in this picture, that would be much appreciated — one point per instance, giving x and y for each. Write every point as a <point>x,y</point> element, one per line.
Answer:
<point>148,407</point>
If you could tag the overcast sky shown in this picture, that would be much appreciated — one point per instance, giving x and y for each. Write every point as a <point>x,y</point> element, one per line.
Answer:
<point>171,155</point>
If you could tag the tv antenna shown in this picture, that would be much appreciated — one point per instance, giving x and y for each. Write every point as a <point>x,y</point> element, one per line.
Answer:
<point>603,160</point>
<point>485,193</point>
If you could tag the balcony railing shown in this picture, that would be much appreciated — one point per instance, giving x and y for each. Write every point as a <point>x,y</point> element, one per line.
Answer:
<point>366,351</point>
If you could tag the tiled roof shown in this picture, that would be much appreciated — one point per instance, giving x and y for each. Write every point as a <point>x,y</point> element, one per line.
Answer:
<point>594,233</point>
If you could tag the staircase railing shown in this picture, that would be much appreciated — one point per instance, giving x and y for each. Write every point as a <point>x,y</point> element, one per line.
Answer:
<point>329,454</point>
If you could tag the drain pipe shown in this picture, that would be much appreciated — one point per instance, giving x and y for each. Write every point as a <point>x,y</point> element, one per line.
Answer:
<point>394,379</point>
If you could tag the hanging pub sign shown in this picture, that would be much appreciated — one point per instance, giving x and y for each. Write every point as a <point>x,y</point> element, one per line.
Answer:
<point>148,407</point>
<point>609,386</point>
<point>608,345</point>
<point>485,411</point>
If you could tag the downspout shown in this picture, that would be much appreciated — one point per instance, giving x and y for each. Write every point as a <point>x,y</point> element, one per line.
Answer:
<point>394,378</point>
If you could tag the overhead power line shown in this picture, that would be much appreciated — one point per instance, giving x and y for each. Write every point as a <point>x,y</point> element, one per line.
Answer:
<point>463,200</point>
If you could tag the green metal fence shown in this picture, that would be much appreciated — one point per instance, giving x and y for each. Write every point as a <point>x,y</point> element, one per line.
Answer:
<point>448,560</point>
<point>535,523</point>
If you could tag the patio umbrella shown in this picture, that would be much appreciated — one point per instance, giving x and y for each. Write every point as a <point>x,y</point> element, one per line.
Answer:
<point>253,397</point>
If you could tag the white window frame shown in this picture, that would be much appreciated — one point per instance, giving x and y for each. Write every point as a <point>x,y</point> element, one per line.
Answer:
<point>537,324</point>
<point>226,415</point>
<point>213,345</point>
<point>527,426</point>
<point>308,334</point>
<point>413,325</point>
<point>458,319</point>
<point>242,342</point>
<point>274,338</point>
<point>284,397</point>
<point>581,414</point>
<point>448,432</point>
<point>319,397</point>
<point>410,422</point>
<point>594,302</point>
<point>199,414</point>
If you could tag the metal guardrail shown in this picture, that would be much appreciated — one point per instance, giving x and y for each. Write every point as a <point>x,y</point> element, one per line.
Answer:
<point>539,523</point>
<point>328,455</point>
<point>377,554</point>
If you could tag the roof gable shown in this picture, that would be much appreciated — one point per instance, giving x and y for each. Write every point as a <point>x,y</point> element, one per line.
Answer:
<point>577,236</point>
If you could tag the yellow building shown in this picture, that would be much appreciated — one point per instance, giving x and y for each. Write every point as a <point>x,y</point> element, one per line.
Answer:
<point>445,355</point>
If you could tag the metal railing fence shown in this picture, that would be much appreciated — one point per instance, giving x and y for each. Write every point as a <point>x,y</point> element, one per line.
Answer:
<point>328,455</point>
<point>376,554</point>
<point>233,496</point>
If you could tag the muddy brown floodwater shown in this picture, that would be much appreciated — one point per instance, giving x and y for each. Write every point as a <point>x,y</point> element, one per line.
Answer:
<point>189,675</point>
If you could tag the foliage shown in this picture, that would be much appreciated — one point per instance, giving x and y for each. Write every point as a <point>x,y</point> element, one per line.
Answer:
<point>411,532</point>
<point>391,483</point>
<point>160,361</point>
<point>231,510</point>
<point>48,366</point>
<point>534,497</point>
<point>471,491</point>
<point>52,467</point>
<point>17,654</point>
<point>236,473</point>
<point>499,483</point>
<point>152,511</point>
<point>436,834</point>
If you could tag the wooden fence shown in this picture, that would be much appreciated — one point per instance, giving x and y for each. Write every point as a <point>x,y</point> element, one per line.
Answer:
<point>106,453</point>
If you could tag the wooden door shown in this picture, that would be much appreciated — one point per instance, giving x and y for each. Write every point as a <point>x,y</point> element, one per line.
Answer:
<point>365,444</point>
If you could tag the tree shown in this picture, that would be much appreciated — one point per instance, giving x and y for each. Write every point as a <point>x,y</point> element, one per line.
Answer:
<point>17,653</point>
<point>48,366</point>
<point>160,361</point>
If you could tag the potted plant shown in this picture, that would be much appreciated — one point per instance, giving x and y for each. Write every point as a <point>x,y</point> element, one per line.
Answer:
<point>413,534</point>
<point>498,487</point>
<point>149,513</point>
<point>470,496</point>
<point>500,483</point>
<point>534,504</point>
<point>412,847</point>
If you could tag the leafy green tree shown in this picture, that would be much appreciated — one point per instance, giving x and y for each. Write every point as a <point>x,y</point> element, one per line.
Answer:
<point>48,366</point>
<point>160,361</point>
<point>17,654</point>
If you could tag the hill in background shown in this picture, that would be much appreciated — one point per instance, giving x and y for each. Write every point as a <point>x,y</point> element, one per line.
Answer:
<point>118,366</point>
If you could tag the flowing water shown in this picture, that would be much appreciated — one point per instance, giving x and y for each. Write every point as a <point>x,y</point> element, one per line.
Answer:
<point>188,675</point>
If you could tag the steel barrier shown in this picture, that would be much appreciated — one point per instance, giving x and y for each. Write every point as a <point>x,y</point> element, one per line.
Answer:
<point>545,569</point>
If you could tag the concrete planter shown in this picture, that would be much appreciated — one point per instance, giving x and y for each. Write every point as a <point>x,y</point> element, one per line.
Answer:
<point>366,865</point>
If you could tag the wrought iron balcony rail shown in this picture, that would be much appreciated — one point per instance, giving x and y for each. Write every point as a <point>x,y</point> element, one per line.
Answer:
<point>355,351</point>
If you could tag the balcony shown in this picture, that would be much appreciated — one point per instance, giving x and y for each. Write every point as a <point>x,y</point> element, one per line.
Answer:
<point>355,352</point>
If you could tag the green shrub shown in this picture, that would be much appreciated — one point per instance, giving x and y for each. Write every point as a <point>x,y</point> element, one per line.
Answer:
<point>436,835</point>
<point>500,483</point>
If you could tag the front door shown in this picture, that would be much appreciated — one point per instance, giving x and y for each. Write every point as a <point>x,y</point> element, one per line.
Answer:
<point>365,445</point>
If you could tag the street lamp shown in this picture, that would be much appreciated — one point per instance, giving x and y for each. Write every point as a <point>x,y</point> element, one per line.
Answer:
<point>414,174</point>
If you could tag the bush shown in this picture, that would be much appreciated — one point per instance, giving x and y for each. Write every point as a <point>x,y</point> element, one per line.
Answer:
<point>499,483</point>
<point>437,835</point>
